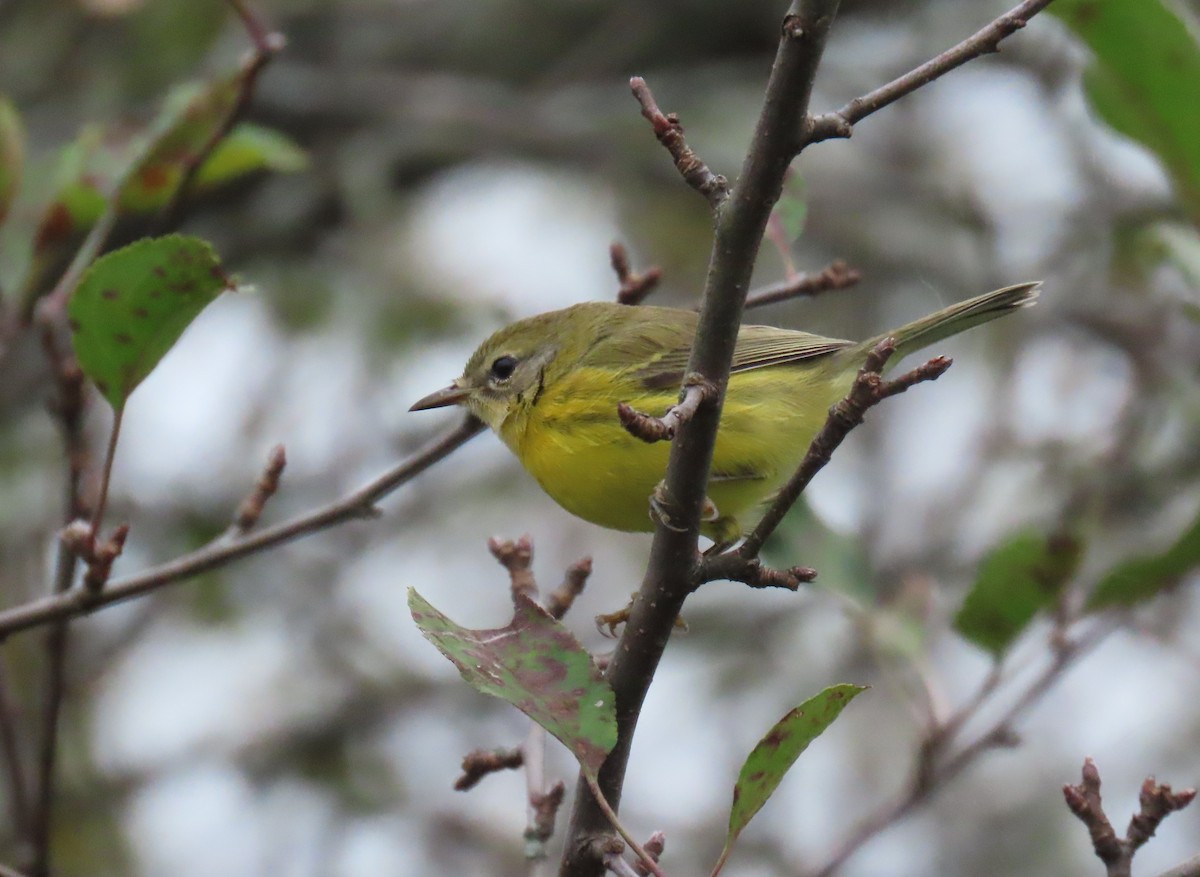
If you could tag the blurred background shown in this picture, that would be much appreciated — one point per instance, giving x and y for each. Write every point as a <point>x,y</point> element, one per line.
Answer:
<point>469,164</point>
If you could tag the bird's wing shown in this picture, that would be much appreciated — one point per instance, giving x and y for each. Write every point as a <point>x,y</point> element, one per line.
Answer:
<point>663,351</point>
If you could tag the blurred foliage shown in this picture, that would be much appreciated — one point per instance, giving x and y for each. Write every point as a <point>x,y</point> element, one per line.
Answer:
<point>1141,578</point>
<point>1144,78</point>
<point>1016,580</point>
<point>389,100</point>
<point>12,153</point>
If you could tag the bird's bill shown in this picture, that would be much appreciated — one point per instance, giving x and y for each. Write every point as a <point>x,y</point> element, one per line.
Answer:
<point>443,398</point>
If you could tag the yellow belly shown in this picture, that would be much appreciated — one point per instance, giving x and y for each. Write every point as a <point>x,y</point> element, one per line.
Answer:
<point>574,445</point>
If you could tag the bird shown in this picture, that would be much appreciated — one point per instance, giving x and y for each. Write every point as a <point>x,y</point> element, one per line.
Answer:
<point>549,387</point>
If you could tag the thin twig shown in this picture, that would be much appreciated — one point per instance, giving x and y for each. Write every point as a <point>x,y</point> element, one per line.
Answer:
<point>669,132</point>
<point>517,558</point>
<point>68,408</point>
<point>650,429</point>
<point>1156,803</point>
<point>934,769</point>
<point>648,860</point>
<point>868,390</point>
<point>561,599</point>
<point>18,795</point>
<point>840,123</point>
<point>1190,868</point>
<point>835,275</point>
<point>655,846</point>
<point>732,566</point>
<point>635,286</point>
<point>100,557</point>
<point>616,863</point>
<point>110,455</point>
<point>354,506</point>
<point>252,506</point>
<point>481,762</point>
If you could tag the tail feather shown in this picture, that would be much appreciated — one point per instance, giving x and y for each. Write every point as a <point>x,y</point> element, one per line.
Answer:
<point>959,317</point>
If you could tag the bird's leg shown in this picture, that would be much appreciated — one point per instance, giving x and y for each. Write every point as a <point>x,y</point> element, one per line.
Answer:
<point>608,622</point>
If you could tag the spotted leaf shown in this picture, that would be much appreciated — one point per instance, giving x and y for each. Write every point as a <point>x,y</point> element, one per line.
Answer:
<point>539,667</point>
<point>777,752</point>
<point>133,304</point>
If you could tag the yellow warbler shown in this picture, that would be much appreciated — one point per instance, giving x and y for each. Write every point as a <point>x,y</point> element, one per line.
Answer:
<point>549,387</point>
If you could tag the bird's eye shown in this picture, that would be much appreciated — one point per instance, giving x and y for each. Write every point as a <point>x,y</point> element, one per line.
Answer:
<point>503,367</point>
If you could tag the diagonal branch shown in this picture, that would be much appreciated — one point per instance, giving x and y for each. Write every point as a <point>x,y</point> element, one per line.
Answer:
<point>836,275</point>
<point>741,220</point>
<point>669,132</point>
<point>840,123</point>
<point>869,390</point>
<point>354,506</point>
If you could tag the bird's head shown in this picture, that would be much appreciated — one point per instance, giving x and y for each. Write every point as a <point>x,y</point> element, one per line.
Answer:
<point>509,369</point>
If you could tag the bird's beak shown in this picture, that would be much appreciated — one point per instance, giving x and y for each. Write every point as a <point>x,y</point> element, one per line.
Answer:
<point>451,395</point>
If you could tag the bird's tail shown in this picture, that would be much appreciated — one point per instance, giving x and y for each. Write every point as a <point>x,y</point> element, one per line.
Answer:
<point>958,318</point>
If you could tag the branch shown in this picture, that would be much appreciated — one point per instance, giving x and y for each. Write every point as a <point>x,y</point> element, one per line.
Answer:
<point>669,132</point>
<point>517,558</point>
<point>252,506</point>
<point>934,768</point>
<point>835,275</point>
<point>1157,802</point>
<point>14,766</point>
<point>562,598</point>
<point>355,506</point>
<point>1190,868</point>
<point>869,390</point>
<point>650,429</point>
<point>986,41</point>
<point>634,286</point>
<point>732,567</point>
<point>68,409</point>
<point>741,220</point>
<point>481,762</point>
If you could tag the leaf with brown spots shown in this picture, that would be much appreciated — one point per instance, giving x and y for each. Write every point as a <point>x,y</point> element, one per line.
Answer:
<point>538,666</point>
<point>134,303</point>
<point>775,753</point>
<point>149,164</point>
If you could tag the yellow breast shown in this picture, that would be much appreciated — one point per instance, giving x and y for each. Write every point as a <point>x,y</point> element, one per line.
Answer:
<point>571,441</point>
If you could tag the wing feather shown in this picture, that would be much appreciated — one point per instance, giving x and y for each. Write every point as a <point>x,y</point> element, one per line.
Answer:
<point>664,354</point>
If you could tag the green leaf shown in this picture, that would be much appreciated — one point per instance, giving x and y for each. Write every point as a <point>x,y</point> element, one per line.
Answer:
<point>1017,579</point>
<point>249,148</point>
<point>191,117</point>
<point>12,153</point>
<point>539,667</point>
<point>1140,578</point>
<point>147,164</point>
<point>777,752</point>
<point>133,304</point>
<point>1144,78</point>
